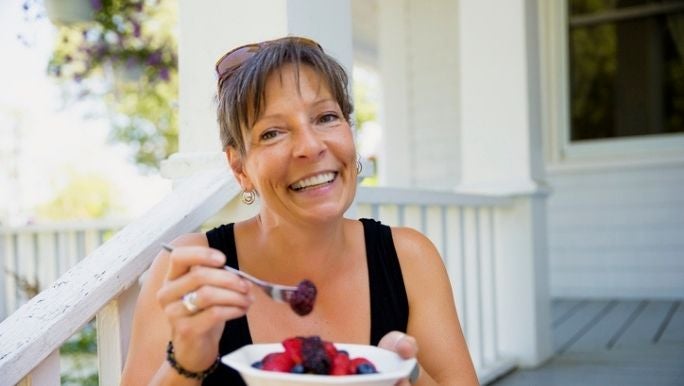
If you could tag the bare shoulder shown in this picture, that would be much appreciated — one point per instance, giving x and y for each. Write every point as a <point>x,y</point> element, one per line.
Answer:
<point>420,261</point>
<point>191,239</point>
<point>414,248</point>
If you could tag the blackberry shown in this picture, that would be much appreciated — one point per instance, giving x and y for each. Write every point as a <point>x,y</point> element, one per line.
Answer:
<point>314,357</point>
<point>302,300</point>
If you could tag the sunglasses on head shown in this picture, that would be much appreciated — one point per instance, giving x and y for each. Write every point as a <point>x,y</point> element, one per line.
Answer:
<point>234,58</point>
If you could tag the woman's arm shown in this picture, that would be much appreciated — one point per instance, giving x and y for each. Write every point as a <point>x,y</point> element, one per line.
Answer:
<point>443,354</point>
<point>160,315</point>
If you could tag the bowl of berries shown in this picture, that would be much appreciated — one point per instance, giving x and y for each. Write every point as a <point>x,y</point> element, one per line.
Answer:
<point>313,361</point>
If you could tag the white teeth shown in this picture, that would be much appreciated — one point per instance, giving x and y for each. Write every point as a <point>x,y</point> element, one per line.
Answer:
<point>315,180</point>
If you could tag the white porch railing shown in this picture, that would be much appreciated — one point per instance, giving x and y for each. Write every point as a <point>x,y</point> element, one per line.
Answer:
<point>462,228</point>
<point>33,256</point>
<point>104,284</point>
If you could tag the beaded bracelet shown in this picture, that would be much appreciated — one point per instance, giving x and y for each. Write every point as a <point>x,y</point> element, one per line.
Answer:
<point>171,358</point>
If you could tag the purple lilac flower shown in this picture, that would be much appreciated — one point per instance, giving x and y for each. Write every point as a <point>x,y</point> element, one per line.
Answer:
<point>155,58</point>
<point>164,74</point>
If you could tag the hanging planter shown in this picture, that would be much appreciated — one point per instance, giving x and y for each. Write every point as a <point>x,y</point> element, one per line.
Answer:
<point>126,57</point>
<point>116,44</point>
<point>130,70</point>
<point>65,12</point>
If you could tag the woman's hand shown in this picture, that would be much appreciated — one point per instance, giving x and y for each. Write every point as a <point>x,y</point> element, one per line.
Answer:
<point>220,296</point>
<point>404,345</point>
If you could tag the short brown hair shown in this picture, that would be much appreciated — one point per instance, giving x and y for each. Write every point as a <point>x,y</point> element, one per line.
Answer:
<point>241,93</point>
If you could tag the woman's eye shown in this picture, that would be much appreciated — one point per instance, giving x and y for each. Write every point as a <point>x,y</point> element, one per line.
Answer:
<point>328,118</point>
<point>269,134</point>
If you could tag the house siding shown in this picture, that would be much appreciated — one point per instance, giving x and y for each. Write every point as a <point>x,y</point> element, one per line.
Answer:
<point>617,232</point>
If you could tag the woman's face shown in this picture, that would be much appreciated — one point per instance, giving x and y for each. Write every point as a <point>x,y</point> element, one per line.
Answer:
<point>300,154</point>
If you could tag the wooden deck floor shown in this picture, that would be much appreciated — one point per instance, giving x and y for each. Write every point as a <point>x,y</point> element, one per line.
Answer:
<point>610,342</point>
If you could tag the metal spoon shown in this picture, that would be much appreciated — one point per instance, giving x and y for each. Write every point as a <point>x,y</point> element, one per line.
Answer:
<point>278,292</point>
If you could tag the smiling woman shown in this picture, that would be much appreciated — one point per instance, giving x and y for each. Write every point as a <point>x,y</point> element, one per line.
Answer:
<point>299,154</point>
<point>284,114</point>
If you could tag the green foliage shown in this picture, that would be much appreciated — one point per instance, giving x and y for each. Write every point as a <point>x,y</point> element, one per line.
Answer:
<point>84,341</point>
<point>127,58</point>
<point>147,120</point>
<point>80,352</point>
<point>89,380</point>
<point>84,197</point>
<point>592,79</point>
<point>605,57</point>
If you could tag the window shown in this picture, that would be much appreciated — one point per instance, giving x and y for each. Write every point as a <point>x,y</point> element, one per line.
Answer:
<point>626,68</point>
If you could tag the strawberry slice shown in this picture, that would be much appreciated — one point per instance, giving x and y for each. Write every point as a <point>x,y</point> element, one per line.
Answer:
<point>293,347</point>
<point>340,364</point>
<point>278,361</point>
<point>330,350</point>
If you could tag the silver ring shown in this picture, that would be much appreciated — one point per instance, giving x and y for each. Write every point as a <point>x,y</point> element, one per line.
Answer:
<point>189,301</point>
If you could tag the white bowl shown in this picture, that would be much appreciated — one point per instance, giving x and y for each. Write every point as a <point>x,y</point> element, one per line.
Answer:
<point>390,367</point>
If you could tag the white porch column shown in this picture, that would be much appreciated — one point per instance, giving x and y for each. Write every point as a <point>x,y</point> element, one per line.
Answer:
<point>502,154</point>
<point>417,55</point>
<point>208,29</point>
<point>397,168</point>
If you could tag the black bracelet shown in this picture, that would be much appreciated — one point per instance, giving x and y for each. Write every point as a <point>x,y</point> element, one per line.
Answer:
<point>171,358</point>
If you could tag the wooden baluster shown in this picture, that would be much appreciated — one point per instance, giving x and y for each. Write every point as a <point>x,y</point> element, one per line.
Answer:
<point>488,286</point>
<point>47,373</point>
<point>472,282</point>
<point>6,282</point>
<point>113,333</point>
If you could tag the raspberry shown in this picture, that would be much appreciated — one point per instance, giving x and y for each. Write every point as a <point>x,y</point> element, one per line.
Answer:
<point>314,357</point>
<point>302,300</point>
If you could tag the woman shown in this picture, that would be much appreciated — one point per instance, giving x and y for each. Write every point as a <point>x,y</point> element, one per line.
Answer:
<point>284,113</point>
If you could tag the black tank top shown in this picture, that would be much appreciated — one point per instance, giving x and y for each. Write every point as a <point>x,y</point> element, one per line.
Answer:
<point>388,301</point>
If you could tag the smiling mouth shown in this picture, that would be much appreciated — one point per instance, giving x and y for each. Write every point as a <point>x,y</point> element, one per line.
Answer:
<point>314,181</point>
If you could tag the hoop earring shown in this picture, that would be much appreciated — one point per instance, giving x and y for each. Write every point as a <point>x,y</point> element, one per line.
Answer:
<point>248,197</point>
<point>359,166</point>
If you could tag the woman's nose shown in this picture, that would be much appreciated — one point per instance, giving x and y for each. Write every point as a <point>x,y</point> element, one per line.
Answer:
<point>308,143</point>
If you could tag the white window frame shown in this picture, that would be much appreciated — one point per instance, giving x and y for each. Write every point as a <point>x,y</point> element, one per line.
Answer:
<point>559,151</point>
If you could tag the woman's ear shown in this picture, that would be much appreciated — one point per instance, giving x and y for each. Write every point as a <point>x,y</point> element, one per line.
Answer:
<point>235,160</point>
